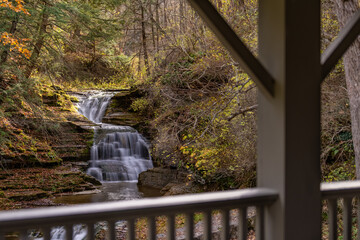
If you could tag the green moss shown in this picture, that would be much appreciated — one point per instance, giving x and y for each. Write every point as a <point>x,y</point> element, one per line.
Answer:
<point>74,99</point>
<point>33,148</point>
<point>57,87</point>
<point>31,159</point>
<point>20,148</point>
<point>90,143</point>
<point>45,91</point>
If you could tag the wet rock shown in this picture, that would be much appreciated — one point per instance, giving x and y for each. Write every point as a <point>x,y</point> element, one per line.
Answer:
<point>179,189</point>
<point>160,177</point>
<point>91,180</point>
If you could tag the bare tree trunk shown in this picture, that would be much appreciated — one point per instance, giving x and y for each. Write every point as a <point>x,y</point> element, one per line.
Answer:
<point>241,4</point>
<point>157,25</point>
<point>345,9</point>
<point>181,16</point>
<point>39,42</point>
<point>144,43</point>
<point>152,26</point>
<point>165,13</point>
<point>219,4</point>
<point>139,62</point>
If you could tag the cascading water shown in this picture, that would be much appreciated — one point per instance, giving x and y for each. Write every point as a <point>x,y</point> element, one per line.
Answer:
<point>94,107</point>
<point>120,156</point>
<point>122,153</point>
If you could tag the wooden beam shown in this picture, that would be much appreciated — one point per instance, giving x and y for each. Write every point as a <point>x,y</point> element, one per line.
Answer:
<point>234,45</point>
<point>336,49</point>
<point>289,123</point>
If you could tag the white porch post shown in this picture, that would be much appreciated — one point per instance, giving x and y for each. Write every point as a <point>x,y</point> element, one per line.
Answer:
<point>289,122</point>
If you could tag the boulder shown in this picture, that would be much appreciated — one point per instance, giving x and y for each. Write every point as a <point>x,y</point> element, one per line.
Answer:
<point>179,189</point>
<point>160,177</point>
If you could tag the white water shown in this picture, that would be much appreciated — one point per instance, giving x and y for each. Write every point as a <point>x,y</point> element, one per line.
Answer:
<point>59,233</point>
<point>94,106</point>
<point>121,154</point>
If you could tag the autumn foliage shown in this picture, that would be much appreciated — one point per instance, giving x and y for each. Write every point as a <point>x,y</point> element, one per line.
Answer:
<point>19,7</point>
<point>9,39</point>
<point>15,44</point>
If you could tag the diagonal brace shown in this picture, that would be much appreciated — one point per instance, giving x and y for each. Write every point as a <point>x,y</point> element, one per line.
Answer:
<point>336,49</point>
<point>234,45</point>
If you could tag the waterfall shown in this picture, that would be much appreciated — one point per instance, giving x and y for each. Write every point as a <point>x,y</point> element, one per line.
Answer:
<point>121,153</point>
<point>121,156</point>
<point>94,107</point>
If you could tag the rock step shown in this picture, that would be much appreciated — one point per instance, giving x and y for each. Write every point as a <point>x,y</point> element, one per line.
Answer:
<point>70,146</point>
<point>74,157</point>
<point>27,195</point>
<point>76,134</point>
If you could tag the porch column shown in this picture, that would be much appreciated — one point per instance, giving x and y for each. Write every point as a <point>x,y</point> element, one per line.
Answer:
<point>289,122</point>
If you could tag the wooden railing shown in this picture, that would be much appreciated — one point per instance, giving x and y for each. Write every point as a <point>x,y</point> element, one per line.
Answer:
<point>22,222</point>
<point>341,197</point>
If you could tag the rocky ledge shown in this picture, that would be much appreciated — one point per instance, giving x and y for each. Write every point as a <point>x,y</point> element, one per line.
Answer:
<point>119,111</point>
<point>20,187</point>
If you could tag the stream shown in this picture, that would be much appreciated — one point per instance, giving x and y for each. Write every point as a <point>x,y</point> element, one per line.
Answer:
<point>111,191</point>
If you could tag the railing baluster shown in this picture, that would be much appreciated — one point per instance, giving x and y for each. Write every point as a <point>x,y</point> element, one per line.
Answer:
<point>69,232</point>
<point>225,222</point>
<point>131,229</point>
<point>90,231</point>
<point>332,218</point>
<point>112,230</point>
<point>189,226</point>
<point>46,233</point>
<point>207,225</point>
<point>358,216</point>
<point>151,228</point>
<point>171,228</point>
<point>242,225</point>
<point>347,219</point>
<point>260,223</point>
<point>23,234</point>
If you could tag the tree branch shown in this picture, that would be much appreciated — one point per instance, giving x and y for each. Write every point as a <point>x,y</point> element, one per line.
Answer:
<point>242,111</point>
